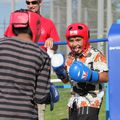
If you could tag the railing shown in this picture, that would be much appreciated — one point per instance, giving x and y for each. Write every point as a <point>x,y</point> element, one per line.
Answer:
<point>69,86</point>
<point>64,43</point>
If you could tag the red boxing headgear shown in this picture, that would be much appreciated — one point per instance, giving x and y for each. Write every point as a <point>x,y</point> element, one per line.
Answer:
<point>24,18</point>
<point>78,30</point>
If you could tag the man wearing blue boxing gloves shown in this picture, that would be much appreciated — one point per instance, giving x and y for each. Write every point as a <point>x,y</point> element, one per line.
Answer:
<point>86,69</point>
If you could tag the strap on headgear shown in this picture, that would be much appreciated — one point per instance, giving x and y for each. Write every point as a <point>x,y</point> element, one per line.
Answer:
<point>78,30</point>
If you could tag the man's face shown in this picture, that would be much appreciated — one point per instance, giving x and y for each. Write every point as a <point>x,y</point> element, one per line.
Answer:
<point>33,5</point>
<point>76,44</point>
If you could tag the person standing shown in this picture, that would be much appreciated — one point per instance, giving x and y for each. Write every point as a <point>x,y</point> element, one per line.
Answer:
<point>48,34</point>
<point>86,69</point>
<point>48,30</point>
<point>24,69</point>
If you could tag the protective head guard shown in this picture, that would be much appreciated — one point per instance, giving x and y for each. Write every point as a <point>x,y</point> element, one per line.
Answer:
<point>22,19</point>
<point>78,30</point>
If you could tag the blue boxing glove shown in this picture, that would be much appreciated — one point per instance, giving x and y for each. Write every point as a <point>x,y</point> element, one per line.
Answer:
<point>81,73</point>
<point>54,96</point>
<point>58,62</point>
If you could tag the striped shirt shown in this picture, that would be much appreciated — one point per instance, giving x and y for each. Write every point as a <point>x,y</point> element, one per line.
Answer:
<point>24,79</point>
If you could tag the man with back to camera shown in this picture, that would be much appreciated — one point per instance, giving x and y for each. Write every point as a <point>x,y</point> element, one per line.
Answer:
<point>24,69</point>
<point>48,30</point>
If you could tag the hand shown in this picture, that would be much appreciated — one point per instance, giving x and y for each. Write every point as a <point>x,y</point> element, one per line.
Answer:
<point>49,43</point>
<point>58,62</point>
<point>54,96</point>
<point>54,93</point>
<point>81,73</point>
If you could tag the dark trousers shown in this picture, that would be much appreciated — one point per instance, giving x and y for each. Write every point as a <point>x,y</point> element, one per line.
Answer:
<point>83,113</point>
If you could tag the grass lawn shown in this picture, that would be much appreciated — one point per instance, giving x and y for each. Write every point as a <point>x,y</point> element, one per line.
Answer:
<point>60,108</point>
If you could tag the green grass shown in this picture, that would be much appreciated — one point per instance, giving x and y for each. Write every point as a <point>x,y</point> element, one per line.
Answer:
<point>60,108</point>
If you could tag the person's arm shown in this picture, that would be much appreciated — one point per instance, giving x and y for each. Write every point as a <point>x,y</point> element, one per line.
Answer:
<point>45,91</point>
<point>79,72</point>
<point>53,37</point>
<point>42,87</point>
<point>100,64</point>
<point>103,77</point>
<point>49,43</point>
<point>58,65</point>
<point>98,72</point>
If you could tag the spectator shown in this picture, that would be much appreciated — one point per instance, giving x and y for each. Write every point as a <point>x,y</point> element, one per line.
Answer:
<point>48,30</point>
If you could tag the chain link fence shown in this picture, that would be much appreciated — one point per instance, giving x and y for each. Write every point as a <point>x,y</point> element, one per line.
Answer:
<point>59,16</point>
<point>88,16</point>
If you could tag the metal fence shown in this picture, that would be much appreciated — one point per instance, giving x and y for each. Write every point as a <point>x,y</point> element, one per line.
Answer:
<point>57,11</point>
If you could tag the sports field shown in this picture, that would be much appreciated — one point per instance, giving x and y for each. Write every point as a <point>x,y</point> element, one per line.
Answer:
<point>60,110</point>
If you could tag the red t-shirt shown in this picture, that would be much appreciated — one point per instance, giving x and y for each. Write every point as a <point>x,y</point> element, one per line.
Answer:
<point>48,30</point>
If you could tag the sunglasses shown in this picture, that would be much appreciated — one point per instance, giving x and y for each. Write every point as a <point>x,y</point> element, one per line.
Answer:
<point>32,2</point>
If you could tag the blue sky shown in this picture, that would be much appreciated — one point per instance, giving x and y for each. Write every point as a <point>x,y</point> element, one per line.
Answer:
<point>5,10</point>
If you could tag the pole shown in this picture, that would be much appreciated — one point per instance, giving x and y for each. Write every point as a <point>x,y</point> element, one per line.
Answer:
<point>69,12</point>
<point>69,15</point>
<point>100,25</point>
<point>12,5</point>
<point>86,15</point>
<point>79,10</point>
<point>51,10</point>
<point>109,14</point>
<point>109,23</point>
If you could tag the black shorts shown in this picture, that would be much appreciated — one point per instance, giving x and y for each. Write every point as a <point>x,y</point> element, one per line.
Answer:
<point>83,113</point>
